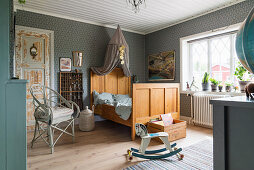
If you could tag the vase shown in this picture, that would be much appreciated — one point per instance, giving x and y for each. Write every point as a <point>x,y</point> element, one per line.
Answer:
<point>205,86</point>
<point>228,88</point>
<point>243,85</point>
<point>214,87</point>
<point>220,88</point>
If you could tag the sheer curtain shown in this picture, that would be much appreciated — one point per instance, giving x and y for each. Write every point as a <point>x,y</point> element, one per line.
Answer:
<point>112,56</point>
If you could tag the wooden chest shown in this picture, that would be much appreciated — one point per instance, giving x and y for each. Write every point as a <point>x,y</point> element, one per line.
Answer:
<point>175,131</point>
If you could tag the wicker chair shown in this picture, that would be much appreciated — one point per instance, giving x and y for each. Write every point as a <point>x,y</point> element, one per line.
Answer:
<point>51,109</point>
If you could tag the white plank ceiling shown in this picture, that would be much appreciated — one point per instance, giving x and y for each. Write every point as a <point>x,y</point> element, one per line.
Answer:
<point>157,14</point>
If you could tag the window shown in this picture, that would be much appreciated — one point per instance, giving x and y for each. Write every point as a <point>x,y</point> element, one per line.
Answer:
<point>215,55</point>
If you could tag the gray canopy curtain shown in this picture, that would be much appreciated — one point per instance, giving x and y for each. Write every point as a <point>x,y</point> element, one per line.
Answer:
<point>112,56</point>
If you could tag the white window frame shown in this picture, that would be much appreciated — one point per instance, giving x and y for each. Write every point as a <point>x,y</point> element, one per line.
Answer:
<point>209,54</point>
<point>184,52</point>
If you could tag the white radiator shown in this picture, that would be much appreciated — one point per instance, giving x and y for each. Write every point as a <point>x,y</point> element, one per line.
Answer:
<point>202,110</point>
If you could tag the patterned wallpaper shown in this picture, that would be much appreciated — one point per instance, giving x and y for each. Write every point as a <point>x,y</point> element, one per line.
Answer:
<point>169,38</point>
<point>91,39</point>
<point>185,105</point>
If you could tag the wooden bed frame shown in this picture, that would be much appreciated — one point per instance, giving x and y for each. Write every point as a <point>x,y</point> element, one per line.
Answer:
<point>149,100</point>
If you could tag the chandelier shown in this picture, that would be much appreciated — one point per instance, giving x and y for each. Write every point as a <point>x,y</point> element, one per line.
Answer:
<point>136,4</point>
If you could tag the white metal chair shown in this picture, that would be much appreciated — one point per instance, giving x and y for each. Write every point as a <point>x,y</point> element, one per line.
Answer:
<point>51,109</point>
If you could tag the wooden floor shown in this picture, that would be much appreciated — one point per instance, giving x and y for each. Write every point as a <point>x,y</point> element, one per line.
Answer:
<point>103,148</point>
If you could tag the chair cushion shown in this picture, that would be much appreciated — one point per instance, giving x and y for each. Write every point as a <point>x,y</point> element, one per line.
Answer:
<point>61,114</point>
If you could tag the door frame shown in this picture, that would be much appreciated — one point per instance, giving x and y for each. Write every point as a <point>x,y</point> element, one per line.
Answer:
<point>50,33</point>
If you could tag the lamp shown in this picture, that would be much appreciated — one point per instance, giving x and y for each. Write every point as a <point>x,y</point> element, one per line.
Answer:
<point>135,4</point>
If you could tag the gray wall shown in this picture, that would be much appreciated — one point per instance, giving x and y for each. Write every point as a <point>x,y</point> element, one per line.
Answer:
<point>91,39</point>
<point>169,38</point>
<point>185,105</point>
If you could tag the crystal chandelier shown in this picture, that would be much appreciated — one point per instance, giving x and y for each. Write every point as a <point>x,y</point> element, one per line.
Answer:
<point>136,4</point>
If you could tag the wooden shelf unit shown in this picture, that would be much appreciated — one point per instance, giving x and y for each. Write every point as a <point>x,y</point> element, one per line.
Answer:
<point>71,87</point>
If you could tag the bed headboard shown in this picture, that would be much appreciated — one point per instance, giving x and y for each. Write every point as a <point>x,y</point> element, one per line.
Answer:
<point>114,82</point>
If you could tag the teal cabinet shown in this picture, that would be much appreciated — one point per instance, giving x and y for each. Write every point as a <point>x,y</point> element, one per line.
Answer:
<point>12,103</point>
<point>4,72</point>
<point>16,124</point>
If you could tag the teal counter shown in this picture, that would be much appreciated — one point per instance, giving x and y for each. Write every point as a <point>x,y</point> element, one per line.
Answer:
<point>16,124</point>
<point>233,138</point>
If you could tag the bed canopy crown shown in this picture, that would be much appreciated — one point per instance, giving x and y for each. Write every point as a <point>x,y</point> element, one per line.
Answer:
<point>117,54</point>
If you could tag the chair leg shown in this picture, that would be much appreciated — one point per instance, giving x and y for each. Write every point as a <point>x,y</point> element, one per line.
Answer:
<point>73,131</point>
<point>35,133</point>
<point>51,142</point>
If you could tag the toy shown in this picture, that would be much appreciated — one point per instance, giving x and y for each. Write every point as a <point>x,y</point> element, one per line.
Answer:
<point>141,131</point>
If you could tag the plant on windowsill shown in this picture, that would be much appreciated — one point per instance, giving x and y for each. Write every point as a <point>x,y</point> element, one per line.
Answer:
<point>22,1</point>
<point>228,86</point>
<point>242,75</point>
<point>236,88</point>
<point>214,84</point>
<point>220,87</point>
<point>205,83</point>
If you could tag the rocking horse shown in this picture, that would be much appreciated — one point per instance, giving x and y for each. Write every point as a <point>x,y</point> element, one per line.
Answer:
<point>141,131</point>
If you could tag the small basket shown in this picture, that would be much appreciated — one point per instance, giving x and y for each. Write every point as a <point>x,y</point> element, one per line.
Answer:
<point>86,120</point>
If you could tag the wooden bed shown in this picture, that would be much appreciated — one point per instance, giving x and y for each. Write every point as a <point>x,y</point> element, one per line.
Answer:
<point>149,100</point>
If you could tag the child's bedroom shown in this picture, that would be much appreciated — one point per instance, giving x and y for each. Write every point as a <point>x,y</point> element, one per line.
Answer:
<point>127,84</point>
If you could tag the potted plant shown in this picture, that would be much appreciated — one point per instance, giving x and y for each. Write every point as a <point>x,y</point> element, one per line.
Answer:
<point>236,88</point>
<point>228,86</point>
<point>220,87</point>
<point>205,83</point>
<point>214,84</point>
<point>242,75</point>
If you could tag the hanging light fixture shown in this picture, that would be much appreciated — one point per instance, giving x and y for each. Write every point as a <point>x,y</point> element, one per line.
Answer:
<point>136,4</point>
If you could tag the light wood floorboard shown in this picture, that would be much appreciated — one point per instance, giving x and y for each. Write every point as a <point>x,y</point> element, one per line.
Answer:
<point>103,148</point>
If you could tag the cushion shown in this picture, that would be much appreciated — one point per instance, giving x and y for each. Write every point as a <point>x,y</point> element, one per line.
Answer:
<point>102,98</point>
<point>61,114</point>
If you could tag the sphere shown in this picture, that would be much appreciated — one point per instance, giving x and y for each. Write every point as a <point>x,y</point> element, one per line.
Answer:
<point>245,42</point>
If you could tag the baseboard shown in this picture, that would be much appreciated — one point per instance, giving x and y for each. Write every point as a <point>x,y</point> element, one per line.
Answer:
<point>187,119</point>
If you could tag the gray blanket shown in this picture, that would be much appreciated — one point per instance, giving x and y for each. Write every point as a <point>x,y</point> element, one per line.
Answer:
<point>123,108</point>
<point>122,103</point>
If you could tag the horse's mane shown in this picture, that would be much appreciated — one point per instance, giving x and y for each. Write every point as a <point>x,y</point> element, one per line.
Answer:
<point>144,128</point>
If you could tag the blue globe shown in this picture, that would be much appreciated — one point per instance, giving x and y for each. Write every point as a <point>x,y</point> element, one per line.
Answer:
<point>245,43</point>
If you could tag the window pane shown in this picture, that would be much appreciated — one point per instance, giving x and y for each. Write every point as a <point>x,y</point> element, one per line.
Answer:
<point>216,56</point>
<point>199,55</point>
<point>220,57</point>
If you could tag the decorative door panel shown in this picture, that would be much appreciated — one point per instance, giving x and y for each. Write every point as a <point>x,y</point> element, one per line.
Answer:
<point>32,63</point>
<point>35,76</point>
<point>33,42</point>
<point>29,114</point>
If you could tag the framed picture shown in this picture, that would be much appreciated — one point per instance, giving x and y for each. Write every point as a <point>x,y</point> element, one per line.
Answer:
<point>161,66</point>
<point>65,64</point>
<point>77,58</point>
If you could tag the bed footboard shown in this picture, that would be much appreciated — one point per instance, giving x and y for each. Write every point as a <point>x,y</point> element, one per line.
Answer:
<point>149,100</point>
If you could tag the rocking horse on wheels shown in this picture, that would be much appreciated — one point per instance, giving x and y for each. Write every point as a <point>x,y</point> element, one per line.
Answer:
<point>141,131</point>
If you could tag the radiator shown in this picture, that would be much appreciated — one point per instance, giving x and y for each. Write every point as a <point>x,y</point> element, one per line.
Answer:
<point>202,111</point>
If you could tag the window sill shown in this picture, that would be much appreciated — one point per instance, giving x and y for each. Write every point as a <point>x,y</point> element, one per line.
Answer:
<point>210,92</point>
